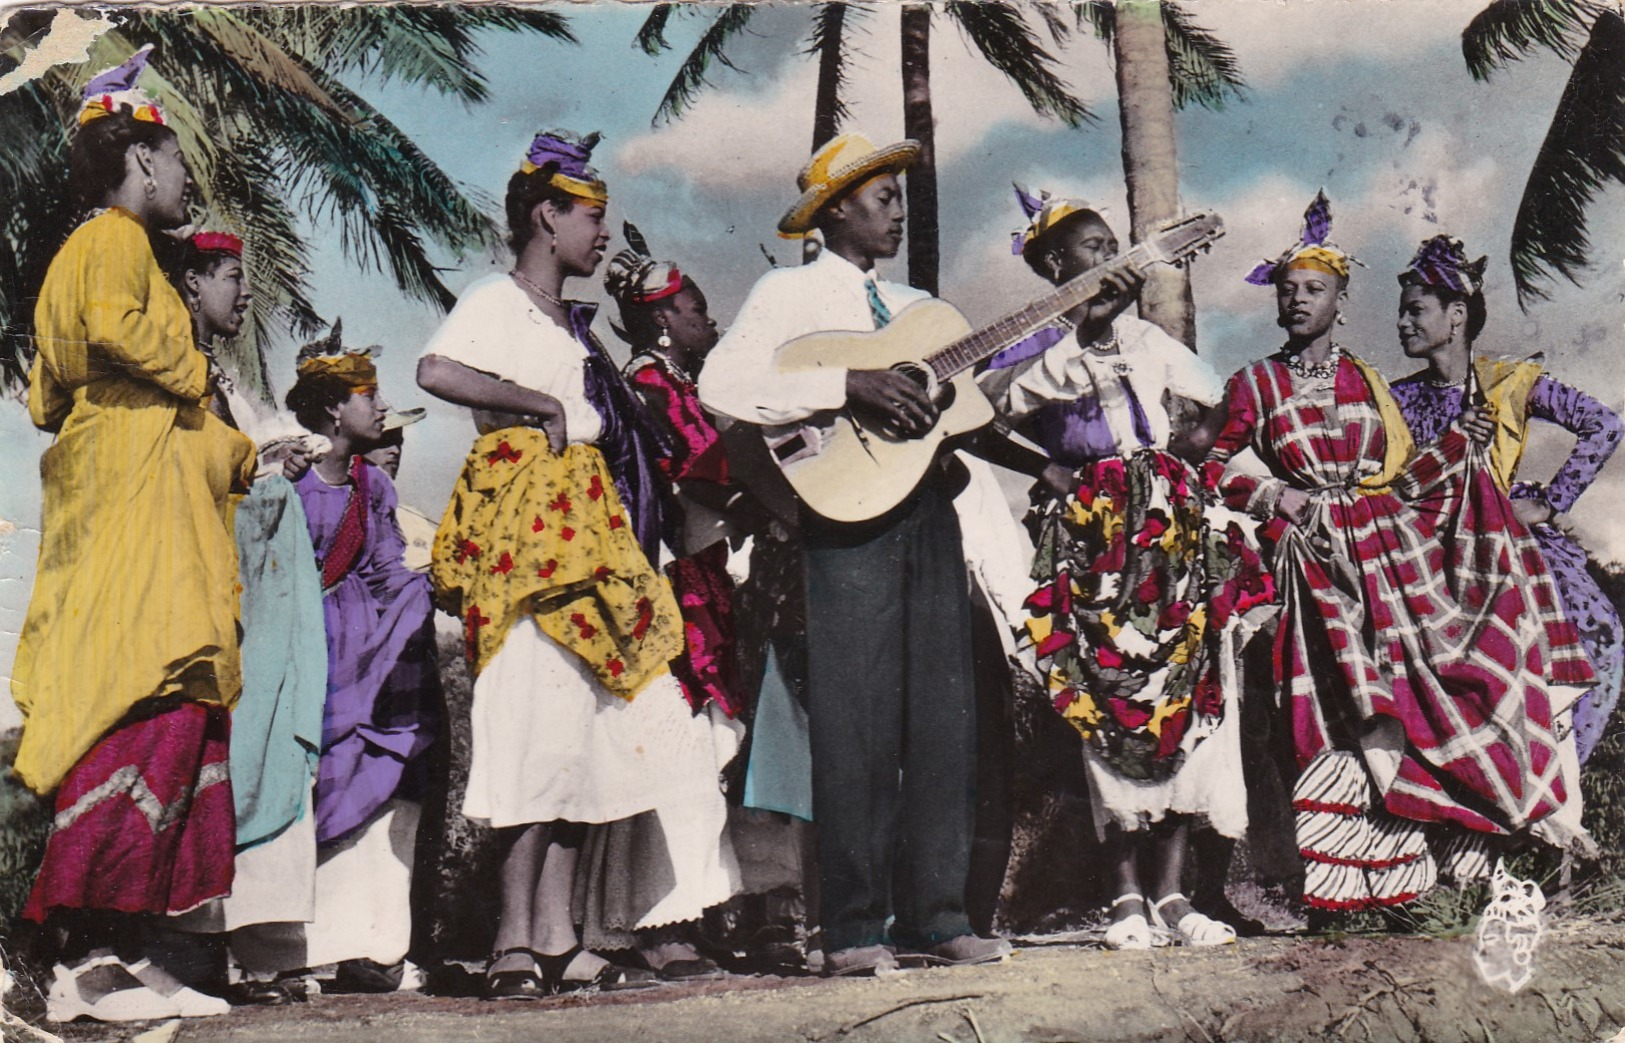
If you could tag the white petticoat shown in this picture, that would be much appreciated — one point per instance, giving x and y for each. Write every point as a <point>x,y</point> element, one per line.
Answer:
<point>1209,784</point>
<point>550,743</point>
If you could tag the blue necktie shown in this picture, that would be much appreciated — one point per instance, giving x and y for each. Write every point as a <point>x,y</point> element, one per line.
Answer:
<point>877,308</point>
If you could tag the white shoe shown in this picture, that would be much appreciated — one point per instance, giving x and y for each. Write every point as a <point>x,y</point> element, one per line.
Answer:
<point>188,1002</point>
<point>1131,932</point>
<point>131,1002</point>
<point>1194,928</point>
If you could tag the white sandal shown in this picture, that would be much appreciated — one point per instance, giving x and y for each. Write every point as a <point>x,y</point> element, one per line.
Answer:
<point>1194,928</point>
<point>1131,932</point>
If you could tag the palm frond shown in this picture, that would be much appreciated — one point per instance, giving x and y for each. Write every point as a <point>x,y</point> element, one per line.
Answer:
<point>712,47</point>
<point>367,171</point>
<point>429,46</point>
<point>1002,37</point>
<point>255,54</point>
<point>651,36</point>
<point>1202,68</point>
<point>1507,30</point>
<point>1098,16</point>
<point>33,177</point>
<point>828,44</point>
<point>432,46</point>
<point>1584,148</point>
<point>1049,12</point>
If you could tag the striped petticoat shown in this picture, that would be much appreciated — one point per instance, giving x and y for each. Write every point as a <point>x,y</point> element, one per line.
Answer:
<point>144,821</point>
<point>1355,854</point>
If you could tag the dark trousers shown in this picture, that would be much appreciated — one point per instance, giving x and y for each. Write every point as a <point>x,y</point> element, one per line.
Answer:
<point>892,707</point>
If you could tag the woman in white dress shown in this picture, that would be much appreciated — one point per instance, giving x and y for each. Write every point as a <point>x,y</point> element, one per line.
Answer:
<point>1125,625</point>
<point>546,553</point>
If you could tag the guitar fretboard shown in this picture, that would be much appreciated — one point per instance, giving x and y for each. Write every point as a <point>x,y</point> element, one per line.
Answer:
<point>1173,242</point>
<point>1008,330</point>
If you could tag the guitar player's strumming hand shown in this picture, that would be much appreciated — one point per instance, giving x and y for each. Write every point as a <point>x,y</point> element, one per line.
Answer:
<point>893,400</point>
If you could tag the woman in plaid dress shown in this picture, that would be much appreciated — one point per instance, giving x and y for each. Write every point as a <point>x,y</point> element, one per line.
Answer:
<point>1416,687</point>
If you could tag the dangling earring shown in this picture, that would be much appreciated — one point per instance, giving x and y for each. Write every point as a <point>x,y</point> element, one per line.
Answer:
<point>1054,269</point>
<point>1341,319</point>
<point>193,304</point>
<point>552,245</point>
<point>664,341</point>
<point>150,187</point>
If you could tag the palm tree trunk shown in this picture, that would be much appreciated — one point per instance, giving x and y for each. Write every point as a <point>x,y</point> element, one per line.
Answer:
<point>918,125</point>
<point>1150,157</point>
<point>827,101</point>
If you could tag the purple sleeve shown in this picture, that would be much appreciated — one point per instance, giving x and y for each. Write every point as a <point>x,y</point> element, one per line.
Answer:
<point>1595,425</point>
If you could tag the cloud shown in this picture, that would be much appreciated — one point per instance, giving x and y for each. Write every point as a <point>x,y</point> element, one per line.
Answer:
<point>1275,39</point>
<point>744,138</point>
<point>67,41</point>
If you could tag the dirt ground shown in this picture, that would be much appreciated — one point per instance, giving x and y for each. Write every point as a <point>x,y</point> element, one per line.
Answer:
<point>1347,989</point>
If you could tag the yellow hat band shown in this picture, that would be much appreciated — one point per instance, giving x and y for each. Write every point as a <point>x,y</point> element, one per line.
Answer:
<point>596,193</point>
<point>1321,259</point>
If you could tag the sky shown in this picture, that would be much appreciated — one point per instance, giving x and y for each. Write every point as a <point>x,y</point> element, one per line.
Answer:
<point>1368,99</point>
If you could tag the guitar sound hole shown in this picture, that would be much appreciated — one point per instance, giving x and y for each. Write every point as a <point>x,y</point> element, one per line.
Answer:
<point>941,395</point>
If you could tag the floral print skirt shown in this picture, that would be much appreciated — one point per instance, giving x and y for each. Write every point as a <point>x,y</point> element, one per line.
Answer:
<point>1134,588</point>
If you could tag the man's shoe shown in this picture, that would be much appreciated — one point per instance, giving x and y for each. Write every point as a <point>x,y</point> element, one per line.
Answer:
<point>860,961</point>
<point>957,952</point>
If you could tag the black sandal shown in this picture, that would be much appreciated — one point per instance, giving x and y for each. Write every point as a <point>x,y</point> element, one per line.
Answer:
<point>611,977</point>
<point>520,984</point>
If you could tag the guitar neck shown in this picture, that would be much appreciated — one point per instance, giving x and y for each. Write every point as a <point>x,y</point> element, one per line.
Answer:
<point>1008,330</point>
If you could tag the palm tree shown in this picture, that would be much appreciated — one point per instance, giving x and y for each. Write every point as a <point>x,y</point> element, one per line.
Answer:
<point>1585,144</point>
<point>1164,61</point>
<point>271,131</point>
<point>996,28</point>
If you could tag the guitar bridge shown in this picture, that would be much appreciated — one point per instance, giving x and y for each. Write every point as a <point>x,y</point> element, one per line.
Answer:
<point>804,442</point>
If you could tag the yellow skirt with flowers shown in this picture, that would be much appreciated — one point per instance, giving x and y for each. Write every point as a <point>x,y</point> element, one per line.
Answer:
<point>528,532</point>
<point>1134,588</point>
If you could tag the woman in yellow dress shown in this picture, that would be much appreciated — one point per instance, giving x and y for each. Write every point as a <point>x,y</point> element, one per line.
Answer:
<point>128,661</point>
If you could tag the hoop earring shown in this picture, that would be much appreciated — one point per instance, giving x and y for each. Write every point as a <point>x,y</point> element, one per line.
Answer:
<point>150,187</point>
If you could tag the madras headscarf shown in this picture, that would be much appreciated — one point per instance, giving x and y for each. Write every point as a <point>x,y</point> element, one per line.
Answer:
<point>634,277</point>
<point>569,155</point>
<point>1314,249</point>
<point>1043,214</point>
<point>217,243</point>
<point>329,356</point>
<point>111,90</point>
<point>1442,262</point>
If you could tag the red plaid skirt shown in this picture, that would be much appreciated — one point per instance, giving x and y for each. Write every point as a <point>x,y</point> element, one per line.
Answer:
<point>144,822</point>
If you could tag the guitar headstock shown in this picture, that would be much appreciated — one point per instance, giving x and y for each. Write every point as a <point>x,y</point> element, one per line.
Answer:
<point>1175,242</point>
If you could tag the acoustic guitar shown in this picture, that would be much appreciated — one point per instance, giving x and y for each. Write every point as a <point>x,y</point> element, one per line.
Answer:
<point>848,469</point>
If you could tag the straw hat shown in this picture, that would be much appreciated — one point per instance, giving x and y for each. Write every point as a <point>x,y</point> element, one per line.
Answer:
<point>843,161</point>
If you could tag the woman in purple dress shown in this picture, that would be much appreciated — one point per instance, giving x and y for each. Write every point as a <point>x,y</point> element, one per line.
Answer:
<point>382,689</point>
<point>1441,312</point>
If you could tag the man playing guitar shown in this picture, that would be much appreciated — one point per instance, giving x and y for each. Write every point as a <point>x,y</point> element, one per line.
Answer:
<point>891,692</point>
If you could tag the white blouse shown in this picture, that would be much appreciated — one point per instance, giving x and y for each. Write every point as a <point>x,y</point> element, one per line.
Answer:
<point>1152,361</point>
<point>496,329</point>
